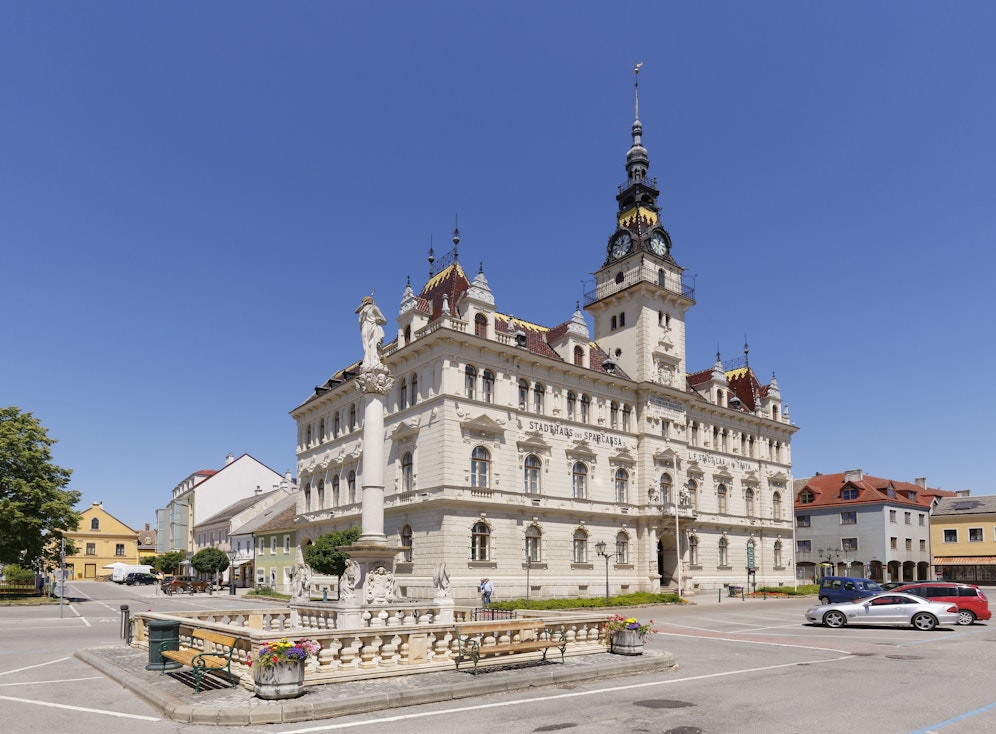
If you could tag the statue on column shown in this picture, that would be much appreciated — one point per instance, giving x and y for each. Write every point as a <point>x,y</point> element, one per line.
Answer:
<point>371,332</point>
<point>441,580</point>
<point>350,578</point>
<point>302,582</point>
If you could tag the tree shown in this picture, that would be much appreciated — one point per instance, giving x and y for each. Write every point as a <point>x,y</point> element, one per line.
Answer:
<point>35,508</point>
<point>209,560</point>
<point>168,562</point>
<point>324,555</point>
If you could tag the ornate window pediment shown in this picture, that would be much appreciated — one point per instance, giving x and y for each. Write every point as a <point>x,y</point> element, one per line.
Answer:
<point>581,450</point>
<point>667,457</point>
<point>482,425</point>
<point>723,475</point>
<point>533,441</point>
<point>779,477</point>
<point>405,430</point>
<point>622,456</point>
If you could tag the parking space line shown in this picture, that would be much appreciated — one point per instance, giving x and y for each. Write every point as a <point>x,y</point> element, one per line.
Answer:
<point>31,667</point>
<point>103,712</point>
<point>50,682</point>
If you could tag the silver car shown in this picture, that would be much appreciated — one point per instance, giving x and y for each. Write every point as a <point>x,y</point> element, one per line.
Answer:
<point>894,609</point>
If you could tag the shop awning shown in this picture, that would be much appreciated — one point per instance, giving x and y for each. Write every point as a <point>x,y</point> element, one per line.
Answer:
<point>964,560</point>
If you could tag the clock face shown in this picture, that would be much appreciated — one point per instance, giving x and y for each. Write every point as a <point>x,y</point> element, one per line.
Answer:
<point>621,244</point>
<point>658,244</point>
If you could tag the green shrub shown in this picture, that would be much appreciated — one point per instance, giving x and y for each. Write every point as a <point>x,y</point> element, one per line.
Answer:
<point>635,599</point>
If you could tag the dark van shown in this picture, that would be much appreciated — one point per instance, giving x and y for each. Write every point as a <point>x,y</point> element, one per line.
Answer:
<point>834,589</point>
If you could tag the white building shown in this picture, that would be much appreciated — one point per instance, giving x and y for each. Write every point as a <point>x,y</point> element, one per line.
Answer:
<point>513,448</point>
<point>207,492</point>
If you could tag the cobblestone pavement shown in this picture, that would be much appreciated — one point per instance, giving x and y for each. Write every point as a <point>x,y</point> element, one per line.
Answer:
<point>173,693</point>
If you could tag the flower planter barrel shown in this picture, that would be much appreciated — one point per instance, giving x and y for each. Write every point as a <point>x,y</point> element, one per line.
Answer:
<point>279,680</point>
<point>627,642</point>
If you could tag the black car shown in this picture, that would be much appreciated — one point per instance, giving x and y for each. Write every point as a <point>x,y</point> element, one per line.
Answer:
<point>140,578</point>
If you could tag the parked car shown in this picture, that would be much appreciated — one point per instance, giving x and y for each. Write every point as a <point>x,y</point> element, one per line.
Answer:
<point>971,601</point>
<point>182,584</point>
<point>893,585</point>
<point>892,608</point>
<point>140,578</point>
<point>834,589</point>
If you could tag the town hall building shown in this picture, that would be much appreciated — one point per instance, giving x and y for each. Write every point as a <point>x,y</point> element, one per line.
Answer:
<point>562,460</point>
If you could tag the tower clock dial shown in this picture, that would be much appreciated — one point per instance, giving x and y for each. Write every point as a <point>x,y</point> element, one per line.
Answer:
<point>658,244</point>
<point>622,243</point>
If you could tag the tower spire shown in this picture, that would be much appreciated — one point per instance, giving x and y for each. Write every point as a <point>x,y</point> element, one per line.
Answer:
<point>637,160</point>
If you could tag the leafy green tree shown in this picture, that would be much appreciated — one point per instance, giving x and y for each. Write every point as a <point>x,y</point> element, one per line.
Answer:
<point>35,507</point>
<point>209,560</point>
<point>168,562</point>
<point>324,555</point>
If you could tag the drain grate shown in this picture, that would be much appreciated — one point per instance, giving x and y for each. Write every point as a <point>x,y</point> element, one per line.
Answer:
<point>663,703</point>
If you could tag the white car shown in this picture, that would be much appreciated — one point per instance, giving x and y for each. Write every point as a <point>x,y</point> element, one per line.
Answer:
<point>895,609</point>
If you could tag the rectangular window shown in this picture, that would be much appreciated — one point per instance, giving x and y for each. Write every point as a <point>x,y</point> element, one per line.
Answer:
<point>849,494</point>
<point>286,544</point>
<point>975,535</point>
<point>262,546</point>
<point>848,544</point>
<point>909,544</point>
<point>922,518</point>
<point>923,546</point>
<point>91,549</point>
<point>804,546</point>
<point>119,549</point>
<point>848,518</point>
<point>892,515</point>
<point>580,550</point>
<point>802,521</point>
<point>894,543</point>
<point>950,535</point>
<point>908,518</point>
<point>273,545</point>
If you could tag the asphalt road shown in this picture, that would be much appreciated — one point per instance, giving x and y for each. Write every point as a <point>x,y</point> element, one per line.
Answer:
<point>744,667</point>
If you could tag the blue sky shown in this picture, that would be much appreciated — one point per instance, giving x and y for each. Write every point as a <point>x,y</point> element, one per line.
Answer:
<point>195,196</point>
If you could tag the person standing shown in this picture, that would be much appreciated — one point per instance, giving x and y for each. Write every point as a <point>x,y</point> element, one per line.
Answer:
<point>487,589</point>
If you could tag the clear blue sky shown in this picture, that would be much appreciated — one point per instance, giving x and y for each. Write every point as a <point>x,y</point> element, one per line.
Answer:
<point>195,196</point>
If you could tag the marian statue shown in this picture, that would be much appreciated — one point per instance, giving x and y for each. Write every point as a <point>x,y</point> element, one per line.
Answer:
<point>371,332</point>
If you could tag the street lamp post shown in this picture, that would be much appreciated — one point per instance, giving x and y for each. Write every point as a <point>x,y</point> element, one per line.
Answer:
<point>529,563</point>
<point>829,554</point>
<point>232,555</point>
<point>600,550</point>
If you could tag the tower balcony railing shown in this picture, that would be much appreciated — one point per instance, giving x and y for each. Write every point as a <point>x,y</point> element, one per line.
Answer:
<point>645,273</point>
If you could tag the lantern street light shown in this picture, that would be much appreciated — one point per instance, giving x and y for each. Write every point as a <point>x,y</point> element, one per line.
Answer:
<point>600,550</point>
<point>829,554</point>
<point>232,554</point>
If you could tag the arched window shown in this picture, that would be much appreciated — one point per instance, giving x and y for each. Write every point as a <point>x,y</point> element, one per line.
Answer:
<point>776,506</point>
<point>622,485</point>
<point>614,415</point>
<point>539,393</point>
<point>580,547</point>
<point>622,548</point>
<point>403,394</point>
<point>523,394</point>
<point>480,325</point>
<point>667,487</point>
<point>480,466</point>
<point>321,430</point>
<point>351,483</point>
<point>352,417</point>
<point>480,542</point>
<point>531,474</point>
<point>414,393</point>
<point>572,400</point>
<point>585,408</point>
<point>693,550</point>
<point>533,544</point>
<point>579,356</point>
<point>777,557</point>
<point>749,502</point>
<point>724,549</point>
<point>626,414</point>
<point>406,542</point>
<point>693,494</point>
<point>488,386</point>
<point>307,497</point>
<point>335,425</point>
<point>321,494</point>
<point>407,472</point>
<point>336,499</point>
<point>721,499</point>
<point>95,524</point>
<point>470,382</point>
<point>579,481</point>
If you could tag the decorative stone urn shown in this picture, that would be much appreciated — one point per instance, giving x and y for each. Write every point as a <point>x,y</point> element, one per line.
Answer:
<point>626,642</point>
<point>279,680</point>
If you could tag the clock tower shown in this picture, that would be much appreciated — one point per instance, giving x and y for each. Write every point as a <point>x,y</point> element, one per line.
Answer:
<point>640,300</point>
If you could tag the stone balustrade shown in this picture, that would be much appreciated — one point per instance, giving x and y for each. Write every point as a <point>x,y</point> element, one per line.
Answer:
<point>403,641</point>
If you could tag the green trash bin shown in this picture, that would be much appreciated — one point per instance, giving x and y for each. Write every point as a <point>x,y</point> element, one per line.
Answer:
<point>163,631</point>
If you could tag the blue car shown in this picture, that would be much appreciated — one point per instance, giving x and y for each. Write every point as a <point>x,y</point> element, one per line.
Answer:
<point>835,589</point>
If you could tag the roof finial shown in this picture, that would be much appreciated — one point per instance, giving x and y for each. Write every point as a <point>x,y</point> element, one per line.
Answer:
<point>432,257</point>
<point>456,236</point>
<point>746,352</point>
<point>636,87</point>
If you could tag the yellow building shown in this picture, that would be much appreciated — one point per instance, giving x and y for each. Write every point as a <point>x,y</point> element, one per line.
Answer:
<point>100,541</point>
<point>963,539</point>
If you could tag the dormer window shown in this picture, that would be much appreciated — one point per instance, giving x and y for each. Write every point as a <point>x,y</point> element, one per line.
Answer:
<point>806,497</point>
<point>849,494</point>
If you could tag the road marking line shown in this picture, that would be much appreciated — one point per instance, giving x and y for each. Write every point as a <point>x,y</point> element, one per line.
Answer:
<point>118,714</point>
<point>555,697</point>
<point>48,682</point>
<point>955,719</point>
<point>39,665</point>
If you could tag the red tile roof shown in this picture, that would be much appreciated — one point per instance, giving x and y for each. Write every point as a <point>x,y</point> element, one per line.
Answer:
<point>827,491</point>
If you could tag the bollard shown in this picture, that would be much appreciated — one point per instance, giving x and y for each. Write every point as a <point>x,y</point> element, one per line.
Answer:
<point>719,593</point>
<point>125,624</point>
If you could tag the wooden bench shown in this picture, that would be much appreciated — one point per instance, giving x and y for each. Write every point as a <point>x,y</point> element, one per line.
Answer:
<point>206,661</point>
<point>520,635</point>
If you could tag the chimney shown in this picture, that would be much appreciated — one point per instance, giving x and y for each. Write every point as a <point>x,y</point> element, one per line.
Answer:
<point>147,526</point>
<point>853,475</point>
<point>229,459</point>
<point>921,482</point>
